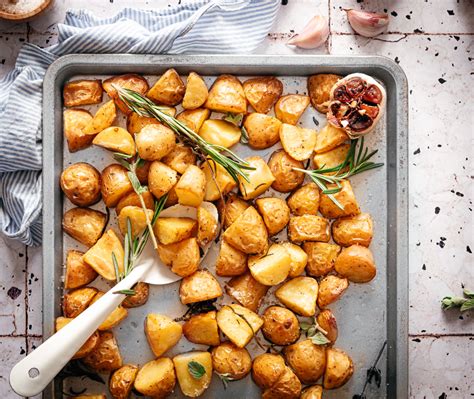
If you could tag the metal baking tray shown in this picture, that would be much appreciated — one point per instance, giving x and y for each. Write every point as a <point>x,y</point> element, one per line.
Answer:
<point>368,314</point>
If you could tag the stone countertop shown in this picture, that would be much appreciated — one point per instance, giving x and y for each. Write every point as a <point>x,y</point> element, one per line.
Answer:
<point>432,41</point>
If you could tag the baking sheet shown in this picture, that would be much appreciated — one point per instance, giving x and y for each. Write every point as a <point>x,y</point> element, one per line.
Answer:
<point>367,314</point>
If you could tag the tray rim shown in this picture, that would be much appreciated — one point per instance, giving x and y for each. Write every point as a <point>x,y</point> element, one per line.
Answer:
<point>398,349</point>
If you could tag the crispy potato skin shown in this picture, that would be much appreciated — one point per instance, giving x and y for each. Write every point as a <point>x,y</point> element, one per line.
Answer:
<point>260,179</point>
<point>74,121</point>
<point>280,325</point>
<point>346,198</point>
<point>194,118</point>
<point>275,214</point>
<point>267,369</point>
<point>106,355</point>
<point>319,89</point>
<point>75,302</point>
<point>132,199</point>
<point>312,392</point>
<point>331,158</point>
<point>321,257</point>
<point>246,290</point>
<point>230,262</point>
<point>263,130</point>
<point>182,257</point>
<point>168,90</point>
<point>308,228</point>
<point>202,329</point>
<point>305,200</point>
<point>135,122</point>
<point>297,141</point>
<point>232,209</point>
<point>84,224</point>
<point>80,182</point>
<point>88,346</point>
<point>78,272</point>
<point>263,92</point>
<point>115,184</point>
<point>207,227</point>
<point>299,294</point>
<point>353,230</point>
<point>289,108</point>
<point>139,298</point>
<point>330,290</point>
<point>327,321</point>
<point>281,165</point>
<point>191,187</point>
<point>82,92</point>
<point>230,360</point>
<point>161,178</point>
<point>200,286</point>
<point>288,386</point>
<point>180,158</point>
<point>339,368</point>
<point>227,95</point>
<point>121,381</point>
<point>329,138</point>
<point>356,263</point>
<point>307,360</point>
<point>196,92</point>
<point>162,333</point>
<point>155,142</point>
<point>156,378</point>
<point>129,81</point>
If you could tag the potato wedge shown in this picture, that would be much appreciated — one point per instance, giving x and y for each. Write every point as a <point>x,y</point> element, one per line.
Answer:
<point>82,92</point>
<point>78,272</point>
<point>121,381</point>
<point>227,95</point>
<point>129,81</point>
<point>207,227</point>
<point>76,301</point>
<point>280,325</point>
<point>331,158</point>
<point>297,141</point>
<point>169,230</point>
<point>267,369</point>
<point>84,224</point>
<point>289,108</point>
<point>287,386</point>
<point>191,187</point>
<point>345,197</point>
<point>186,364</point>
<point>202,329</point>
<point>88,346</point>
<point>231,261</point>
<point>99,256</point>
<point>220,132</point>
<point>155,142</point>
<point>260,178</point>
<point>182,257</point>
<point>339,368</point>
<point>196,92</point>
<point>162,333</point>
<point>272,268</point>
<point>103,118</point>
<point>308,228</point>
<point>298,256</point>
<point>329,138</point>
<point>312,392</point>
<point>229,360</point>
<point>115,184</point>
<point>305,200</point>
<point>263,92</point>
<point>307,360</point>
<point>232,209</point>
<point>246,290</point>
<point>239,324</point>
<point>194,118</point>
<point>321,257</point>
<point>286,178</point>
<point>263,131</point>
<point>106,355</point>
<point>275,213</point>
<point>353,230</point>
<point>319,90</point>
<point>327,321</point>
<point>161,178</point>
<point>218,180</point>
<point>139,298</point>
<point>74,121</point>
<point>142,172</point>
<point>156,378</point>
<point>115,139</point>
<point>330,290</point>
<point>299,295</point>
<point>132,199</point>
<point>114,318</point>
<point>135,122</point>
<point>198,287</point>
<point>137,218</point>
<point>168,90</point>
<point>80,182</point>
<point>356,263</point>
<point>180,158</point>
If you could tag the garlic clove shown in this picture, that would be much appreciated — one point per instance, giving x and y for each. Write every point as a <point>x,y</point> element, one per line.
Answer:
<point>314,34</point>
<point>368,24</point>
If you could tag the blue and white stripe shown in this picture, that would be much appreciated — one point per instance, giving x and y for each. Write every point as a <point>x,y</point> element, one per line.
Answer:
<point>131,31</point>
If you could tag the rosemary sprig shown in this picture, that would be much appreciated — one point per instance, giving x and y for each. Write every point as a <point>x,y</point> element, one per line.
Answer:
<point>143,106</point>
<point>225,378</point>
<point>467,303</point>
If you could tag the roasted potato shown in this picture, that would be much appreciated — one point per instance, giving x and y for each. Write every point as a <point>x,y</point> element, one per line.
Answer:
<point>239,324</point>
<point>129,81</point>
<point>353,230</point>
<point>115,184</point>
<point>330,290</point>
<point>84,224</point>
<point>191,187</point>
<point>207,226</point>
<point>139,298</point>
<point>275,214</point>
<point>263,92</point>
<point>271,268</point>
<point>297,141</point>
<point>168,90</point>
<point>248,233</point>
<point>329,138</point>
<point>263,130</point>
<point>76,301</point>
<point>218,181</point>
<point>194,118</point>
<point>232,209</point>
<point>286,178</point>
<point>280,325</point>
<point>155,142</point>
<point>327,321</point>
<point>82,92</point>
<point>231,361</point>
<point>182,257</point>
<point>356,263</point>
<point>267,369</point>
<point>307,360</point>
<point>227,95</point>
<point>91,397</point>
<point>305,200</point>
<point>80,182</point>
<point>162,333</point>
<point>331,158</point>
<point>196,92</point>
<point>319,89</point>
<point>106,355</point>
<point>121,381</point>
<point>231,261</point>
<point>172,198</point>
<point>321,257</point>
<point>114,318</point>
<point>169,230</point>
<point>99,256</point>
<point>137,218</point>
<point>103,118</point>
<point>132,199</point>
<point>198,287</point>
<point>78,272</point>
<point>142,172</point>
<point>308,228</point>
<point>246,290</point>
<point>312,392</point>
<point>74,121</point>
<point>180,158</point>
<point>345,197</point>
<point>288,386</point>
<point>260,178</point>
<point>135,122</point>
<point>220,132</point>
<point>88,346</point>
<point>339,368</point>
<point>184,363</point>
<point>161,178</point>
<point>156,378</point>
<point>298,258</point>
<point>289,108</point>
<point>299,295</point>
<point>202,329</point>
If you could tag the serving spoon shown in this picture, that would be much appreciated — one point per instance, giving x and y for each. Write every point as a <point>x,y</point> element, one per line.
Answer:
<point>31,375</point>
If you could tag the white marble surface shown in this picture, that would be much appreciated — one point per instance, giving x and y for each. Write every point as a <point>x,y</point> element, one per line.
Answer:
<point>435,48</point>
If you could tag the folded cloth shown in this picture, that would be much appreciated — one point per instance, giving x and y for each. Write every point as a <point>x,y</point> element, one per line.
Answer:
<point>131,31</point>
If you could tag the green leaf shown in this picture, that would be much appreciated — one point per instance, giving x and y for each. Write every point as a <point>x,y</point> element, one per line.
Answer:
<point>225,378</point>
<point>117,273</point>
<point>320,339</point>
<point>467,305</point>
<point>125,292</point>
<point>305,326</point>
<point>244,139</point>
<point>196,369</point>
<point>137,187</point>
<point>311,331</point>
<point>469,294</point>
<point>236,119</point>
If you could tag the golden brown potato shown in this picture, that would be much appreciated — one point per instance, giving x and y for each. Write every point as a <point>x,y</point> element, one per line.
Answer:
<point>332,158</point>
<point>248,233</point>
<point>156,378</point>
<point>263,131</point>
<point>305,200</point>
<point>307,360</point>
<point>180,158</point>
<point>299,295</point>
<point>76,301</point>
<point>162,333</point>
<point>137,218</point>
<point>142,172</point>
<point>202,329</point>
<point>298,258</point>
<point>218,181</point>
<point>161,179</point>
<point>345,197</point>
<point>312,392</point>
<point>339,368</point>
<point>232,209</point>
<point>115,184</point>
<point>329,138</point>
<point>129,81</point>
<point>74,121</point>
<point>135,122</point>
<point>231,261</point>
<point>183,363</point>
<point>286,179</point>
<point>275,214</point>
<point>246,290</point>
<point>132,199</point>
<point>155,142</point>
<point>139,298</point>
<point>280,325</point>
<point>260,178</point>
<point>353,230</point>
<point>82,92</point>
<point>168,90</point>
<point>182,257</point>
<point>308,228</point>
<point>207,226</point>
<point>330,290</point>
<point>198,287</point>
<point>267,369</point>
<point>169,230</point>
<point>84,224</point>
<point>327,321</point>
<point>297,141</point>
<point>356,263</point>
<point>288,386</point>
<point>321,257</point>
<point>91,397</point>
<point>80,182</point>
<point>194,118</point>
<point>88,346</point>
<point>114,318</point>
<point>191,187</point>
<point>196,92</point>
<point>220,132</point>
<point>231,361</point>
<point>121,381</point>
<point>239,324</point>
<point>78,272</point>
<point>227,95</point>
<point>99,256</point>
<point>271,268</point>
<point>289,108</point>
<point>263,92</point>
<point>103,118</point>
<point>106,355</point>
<point>319,89</point>
<point>115,139</point>
<point>172,198</point>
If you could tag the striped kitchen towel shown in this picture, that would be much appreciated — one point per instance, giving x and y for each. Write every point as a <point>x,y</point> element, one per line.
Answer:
<point>130,31</point>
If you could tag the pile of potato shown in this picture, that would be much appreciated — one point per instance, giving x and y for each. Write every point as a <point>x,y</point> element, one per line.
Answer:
<point>310,270</point>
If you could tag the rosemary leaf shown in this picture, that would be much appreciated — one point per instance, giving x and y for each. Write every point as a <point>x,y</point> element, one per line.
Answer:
<point>244,138</point>
<point>118,276</point>
<point>125,292</point>
<point>196,369</point>
<point>225,378</point>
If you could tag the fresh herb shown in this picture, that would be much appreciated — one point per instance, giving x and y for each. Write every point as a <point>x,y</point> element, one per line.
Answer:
<point>143,106</point>
<point>373,373</point>
<point>225,378</point>
<point>315,332</point>
<point>319,339</point>
<point>197,308</point>
<point>235,119</point>
<point>75,368</point>
<point>466,303</point>
<point>357,161</point>
<point>196,369</point>
<point>125,292</point>
<point>244,138</point>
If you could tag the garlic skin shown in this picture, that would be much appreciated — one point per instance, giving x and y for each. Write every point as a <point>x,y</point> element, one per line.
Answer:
<point>314,34</point>
<point>368,24</point>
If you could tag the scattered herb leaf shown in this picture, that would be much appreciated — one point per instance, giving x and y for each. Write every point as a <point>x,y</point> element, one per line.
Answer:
<point>196,369</point>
